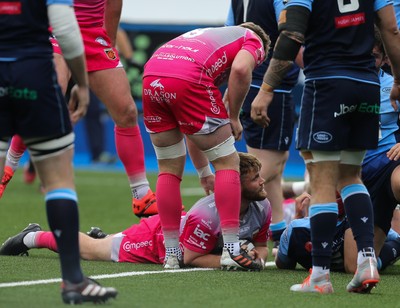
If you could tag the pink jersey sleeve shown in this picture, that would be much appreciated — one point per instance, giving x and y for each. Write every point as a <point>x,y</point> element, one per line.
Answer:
<point>253,45</point>
<point>201,230</point>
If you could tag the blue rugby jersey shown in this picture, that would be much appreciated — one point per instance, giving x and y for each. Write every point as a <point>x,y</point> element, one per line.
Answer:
<point>388,123</point>
<point>339,39</point>
<point>24,29</point>
<point>264,13</point>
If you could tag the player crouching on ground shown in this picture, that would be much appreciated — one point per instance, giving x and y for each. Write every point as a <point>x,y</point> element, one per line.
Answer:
<point>200,238</point>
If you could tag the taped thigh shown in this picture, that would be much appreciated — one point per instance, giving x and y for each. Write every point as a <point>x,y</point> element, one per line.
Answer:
<point>173,151</point>
<point>352,157</point>
<point>223,149</point>
<point>310,156</point>
<point>40,150</point>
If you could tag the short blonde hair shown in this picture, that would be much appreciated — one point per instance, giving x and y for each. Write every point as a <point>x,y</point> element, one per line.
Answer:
<point>260,32</point>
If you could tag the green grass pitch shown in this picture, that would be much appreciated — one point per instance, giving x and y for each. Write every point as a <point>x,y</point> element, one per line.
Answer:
<point>104,201</point>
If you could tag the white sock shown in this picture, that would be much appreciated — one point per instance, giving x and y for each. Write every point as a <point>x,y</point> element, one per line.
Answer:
<point>13,159</point>
<point>173,251</point>
<point>140,189</point>
<point>364,254</point>
<point>318,271</point>
<point>233,247</point>
<point>29,239</point>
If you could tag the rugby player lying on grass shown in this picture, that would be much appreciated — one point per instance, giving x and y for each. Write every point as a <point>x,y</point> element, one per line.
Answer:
<point>200,239</point>
<point>295,245</point>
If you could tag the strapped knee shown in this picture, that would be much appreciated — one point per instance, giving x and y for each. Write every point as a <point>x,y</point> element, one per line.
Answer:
<point>223,149</point>
<point>40,150</point>
<point>310,156</point>
<point>172,151</point>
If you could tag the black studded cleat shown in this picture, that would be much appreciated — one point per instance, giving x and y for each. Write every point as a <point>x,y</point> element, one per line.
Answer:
<point>14,245</point>
<point>97,233</point>
<point>88,290</point>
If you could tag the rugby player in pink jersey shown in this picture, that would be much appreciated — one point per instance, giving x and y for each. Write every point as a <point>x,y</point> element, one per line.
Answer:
<point>98,21</point>
<point>181,98</point>
<point>200,231</point>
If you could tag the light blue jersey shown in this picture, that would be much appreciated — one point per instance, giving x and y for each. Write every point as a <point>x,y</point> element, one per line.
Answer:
<point>387,123</point>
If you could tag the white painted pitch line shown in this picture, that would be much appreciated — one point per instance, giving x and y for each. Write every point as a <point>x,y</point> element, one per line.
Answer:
<point>105,276</point>
<point>126,274</point>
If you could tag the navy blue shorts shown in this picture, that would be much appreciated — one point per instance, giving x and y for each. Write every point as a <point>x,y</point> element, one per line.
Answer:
<point>278,135</point>
<point>378,183</point>
<point>338,114</point>
<point>31,101</point>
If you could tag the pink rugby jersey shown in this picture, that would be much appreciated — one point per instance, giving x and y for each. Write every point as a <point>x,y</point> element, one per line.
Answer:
<point>205,55</point>
<point>201,229</point>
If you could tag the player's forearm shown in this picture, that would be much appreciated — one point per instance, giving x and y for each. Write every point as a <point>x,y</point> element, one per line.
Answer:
<point>65,28</point>
<point>112,17</point>
<point>239,83</point>
<point>77,66</point>
<point>292,26</point>
<point>276,71</point>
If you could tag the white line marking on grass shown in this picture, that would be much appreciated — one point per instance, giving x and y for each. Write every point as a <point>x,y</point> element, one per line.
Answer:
<point>126,274</point>
<point>105,276</point>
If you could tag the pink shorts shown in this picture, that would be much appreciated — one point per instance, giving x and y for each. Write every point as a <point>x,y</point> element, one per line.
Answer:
<point>194,108</point>
<point>99,53</point>
<point>141,243</point>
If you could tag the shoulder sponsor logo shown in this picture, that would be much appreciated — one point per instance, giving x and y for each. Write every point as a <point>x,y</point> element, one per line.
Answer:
<point>10,8</point>
<point>322,137</point>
